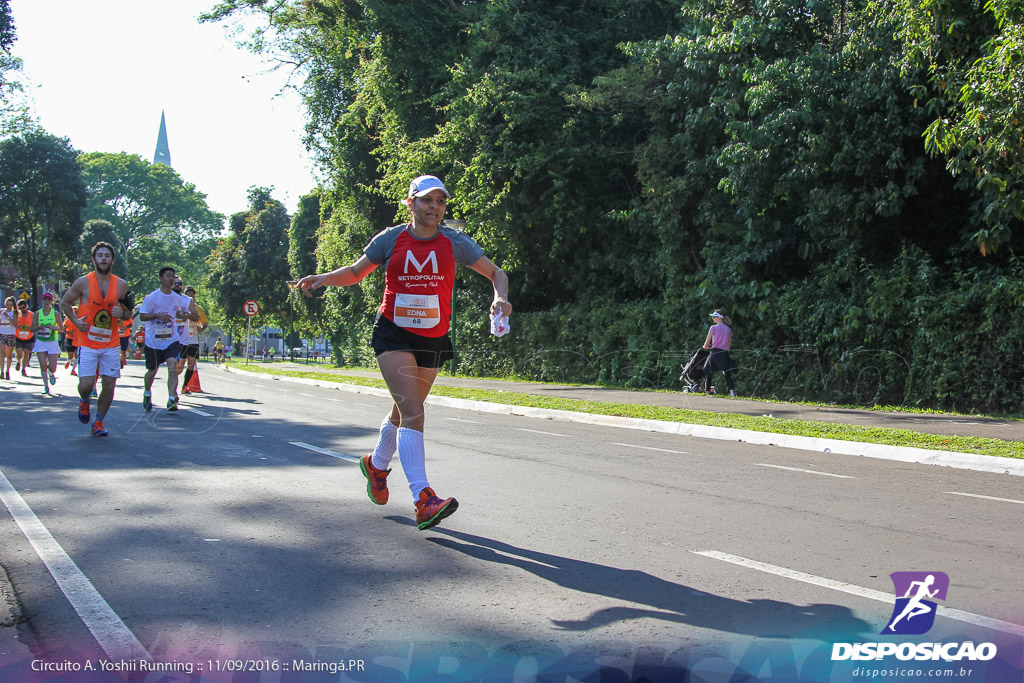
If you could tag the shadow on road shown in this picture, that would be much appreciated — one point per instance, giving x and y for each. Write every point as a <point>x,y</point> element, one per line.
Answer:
<point>662,599</point>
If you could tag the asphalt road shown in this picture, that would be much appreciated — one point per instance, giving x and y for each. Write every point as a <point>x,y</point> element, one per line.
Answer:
<point>240,528</point>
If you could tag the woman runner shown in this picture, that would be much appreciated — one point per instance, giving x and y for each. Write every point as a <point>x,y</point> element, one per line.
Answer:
<point>45,324</point>
<point>8,318</point>
<point>410,334</point>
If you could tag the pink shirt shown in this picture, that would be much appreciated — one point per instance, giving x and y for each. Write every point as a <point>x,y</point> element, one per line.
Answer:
<point>721,336</point>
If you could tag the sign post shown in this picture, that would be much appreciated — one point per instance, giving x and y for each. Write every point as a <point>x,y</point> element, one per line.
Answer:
<point>250,309</point>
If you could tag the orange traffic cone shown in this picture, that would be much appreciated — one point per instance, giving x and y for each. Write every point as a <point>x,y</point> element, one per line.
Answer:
<point>193,383</point>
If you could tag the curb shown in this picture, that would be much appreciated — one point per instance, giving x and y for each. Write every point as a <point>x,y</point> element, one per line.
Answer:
<point>924,456</point>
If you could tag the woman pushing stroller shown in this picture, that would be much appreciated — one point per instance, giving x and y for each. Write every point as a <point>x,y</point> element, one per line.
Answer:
<point>718,343</point>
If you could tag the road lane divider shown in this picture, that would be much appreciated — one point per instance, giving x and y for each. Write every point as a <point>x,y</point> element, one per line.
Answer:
<point>799,469</point>
<point>652,448</point>
<point>978,495</point>
<point>333,454</point>
<point>537,431</point>
<point>860,591</point>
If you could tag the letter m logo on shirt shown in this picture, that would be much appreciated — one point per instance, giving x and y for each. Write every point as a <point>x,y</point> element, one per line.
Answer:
<point>411,258</point>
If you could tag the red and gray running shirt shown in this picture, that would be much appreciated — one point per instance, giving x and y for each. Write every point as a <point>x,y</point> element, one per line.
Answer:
<point>419,275</point>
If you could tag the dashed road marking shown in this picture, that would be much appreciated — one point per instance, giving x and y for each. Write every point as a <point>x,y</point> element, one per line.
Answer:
<point>197,411</point>
<point>652,448</point>
<point>797,469</point>
<point>860,591</point>
<point>317,449</point>
<point>537,431</point>
<point>976,495</point>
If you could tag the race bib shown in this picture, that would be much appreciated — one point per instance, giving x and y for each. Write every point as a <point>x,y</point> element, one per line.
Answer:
<point>417,311</point>
<point>163,332</point>
<point>102,329</point>
<point>99,334</point>
<point>43,332</point>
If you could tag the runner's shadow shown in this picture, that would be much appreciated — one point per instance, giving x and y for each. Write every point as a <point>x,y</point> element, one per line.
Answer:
<point>657,598</point>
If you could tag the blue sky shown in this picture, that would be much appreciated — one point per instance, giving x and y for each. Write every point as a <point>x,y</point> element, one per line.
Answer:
<point>100,72</point>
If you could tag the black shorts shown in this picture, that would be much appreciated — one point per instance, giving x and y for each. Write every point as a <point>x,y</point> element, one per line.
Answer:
<point>24,343</point>
<point>124,343</point>
<point>189,351</point>
<point>157,357</point>
<point>430,352</point>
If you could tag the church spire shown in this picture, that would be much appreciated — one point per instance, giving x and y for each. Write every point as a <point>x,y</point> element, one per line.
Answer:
<point>163,152</point>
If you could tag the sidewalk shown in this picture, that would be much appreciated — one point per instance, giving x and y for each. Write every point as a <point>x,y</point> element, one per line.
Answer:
<point>957,425</point>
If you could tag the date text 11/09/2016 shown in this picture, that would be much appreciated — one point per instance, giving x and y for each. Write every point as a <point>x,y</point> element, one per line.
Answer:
<point>208,666</point>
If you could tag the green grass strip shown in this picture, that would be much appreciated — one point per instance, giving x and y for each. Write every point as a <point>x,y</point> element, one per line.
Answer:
<point>826,430</point>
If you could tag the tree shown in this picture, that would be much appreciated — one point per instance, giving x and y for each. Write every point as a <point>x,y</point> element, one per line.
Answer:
<point>42,196</point>
<point>973,62</point>
<point>251,262</point>
<point>156,215</point>
<point>14,115</point>
<point>302,244</point>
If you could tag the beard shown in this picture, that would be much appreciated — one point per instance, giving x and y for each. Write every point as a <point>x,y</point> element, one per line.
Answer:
<point>103,270</point>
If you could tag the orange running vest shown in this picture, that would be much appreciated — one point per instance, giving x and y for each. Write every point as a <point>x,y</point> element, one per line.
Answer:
<point>23,327</point>
<point>102,332</point>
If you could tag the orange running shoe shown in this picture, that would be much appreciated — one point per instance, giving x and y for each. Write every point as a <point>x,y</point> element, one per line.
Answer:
<point>97,428</point>
<point>83,412</point>
<point>430,509</point>
<point>376,480</point>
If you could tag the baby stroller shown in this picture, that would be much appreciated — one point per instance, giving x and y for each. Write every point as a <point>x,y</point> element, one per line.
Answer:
<point>693,373</point>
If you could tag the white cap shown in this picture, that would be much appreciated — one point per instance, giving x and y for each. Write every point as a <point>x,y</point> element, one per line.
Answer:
<point>716,314</point>
<point>426,184</point>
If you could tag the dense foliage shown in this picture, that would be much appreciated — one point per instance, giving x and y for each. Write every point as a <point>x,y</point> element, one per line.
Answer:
<point>843,176</point>
<point>41,199</point>
<point>249,264</point>
<point>157,217</point>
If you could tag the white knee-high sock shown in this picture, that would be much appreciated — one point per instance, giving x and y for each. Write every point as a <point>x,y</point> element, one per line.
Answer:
<point>414,465</point>
<point>386,445</point>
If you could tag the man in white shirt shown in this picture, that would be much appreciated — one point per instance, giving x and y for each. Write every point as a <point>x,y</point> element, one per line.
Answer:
<point>164,313</point>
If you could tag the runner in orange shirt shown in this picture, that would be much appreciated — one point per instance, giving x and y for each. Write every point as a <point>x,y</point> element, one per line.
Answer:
<point>124,327</point>
<point>98,295</point>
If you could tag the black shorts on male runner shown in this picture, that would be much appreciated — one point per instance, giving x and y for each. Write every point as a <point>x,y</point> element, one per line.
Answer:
<point>157,357</point>
<point>430,352</point>
<point>124,343</point>
<point>189,351</point>
<point>24,343</point>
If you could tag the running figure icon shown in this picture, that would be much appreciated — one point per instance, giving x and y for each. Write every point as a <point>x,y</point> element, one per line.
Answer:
<point>916,588</point>
<point>915,607</point>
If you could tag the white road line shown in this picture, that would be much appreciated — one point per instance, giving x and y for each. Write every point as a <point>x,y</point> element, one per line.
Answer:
<point>797,469</point>
<point>197,411</point>
<point>537,431</point>
<point>975,495</point>
<point>652,448</point>
<point>300,394</point>
<point>458,419</point>
<point>106,627</point>
<point>860,591</point>
<point>339,456</point>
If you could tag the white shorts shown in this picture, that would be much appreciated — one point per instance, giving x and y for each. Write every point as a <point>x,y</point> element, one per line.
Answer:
<point>47,347</point>
<point>108,360</point>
